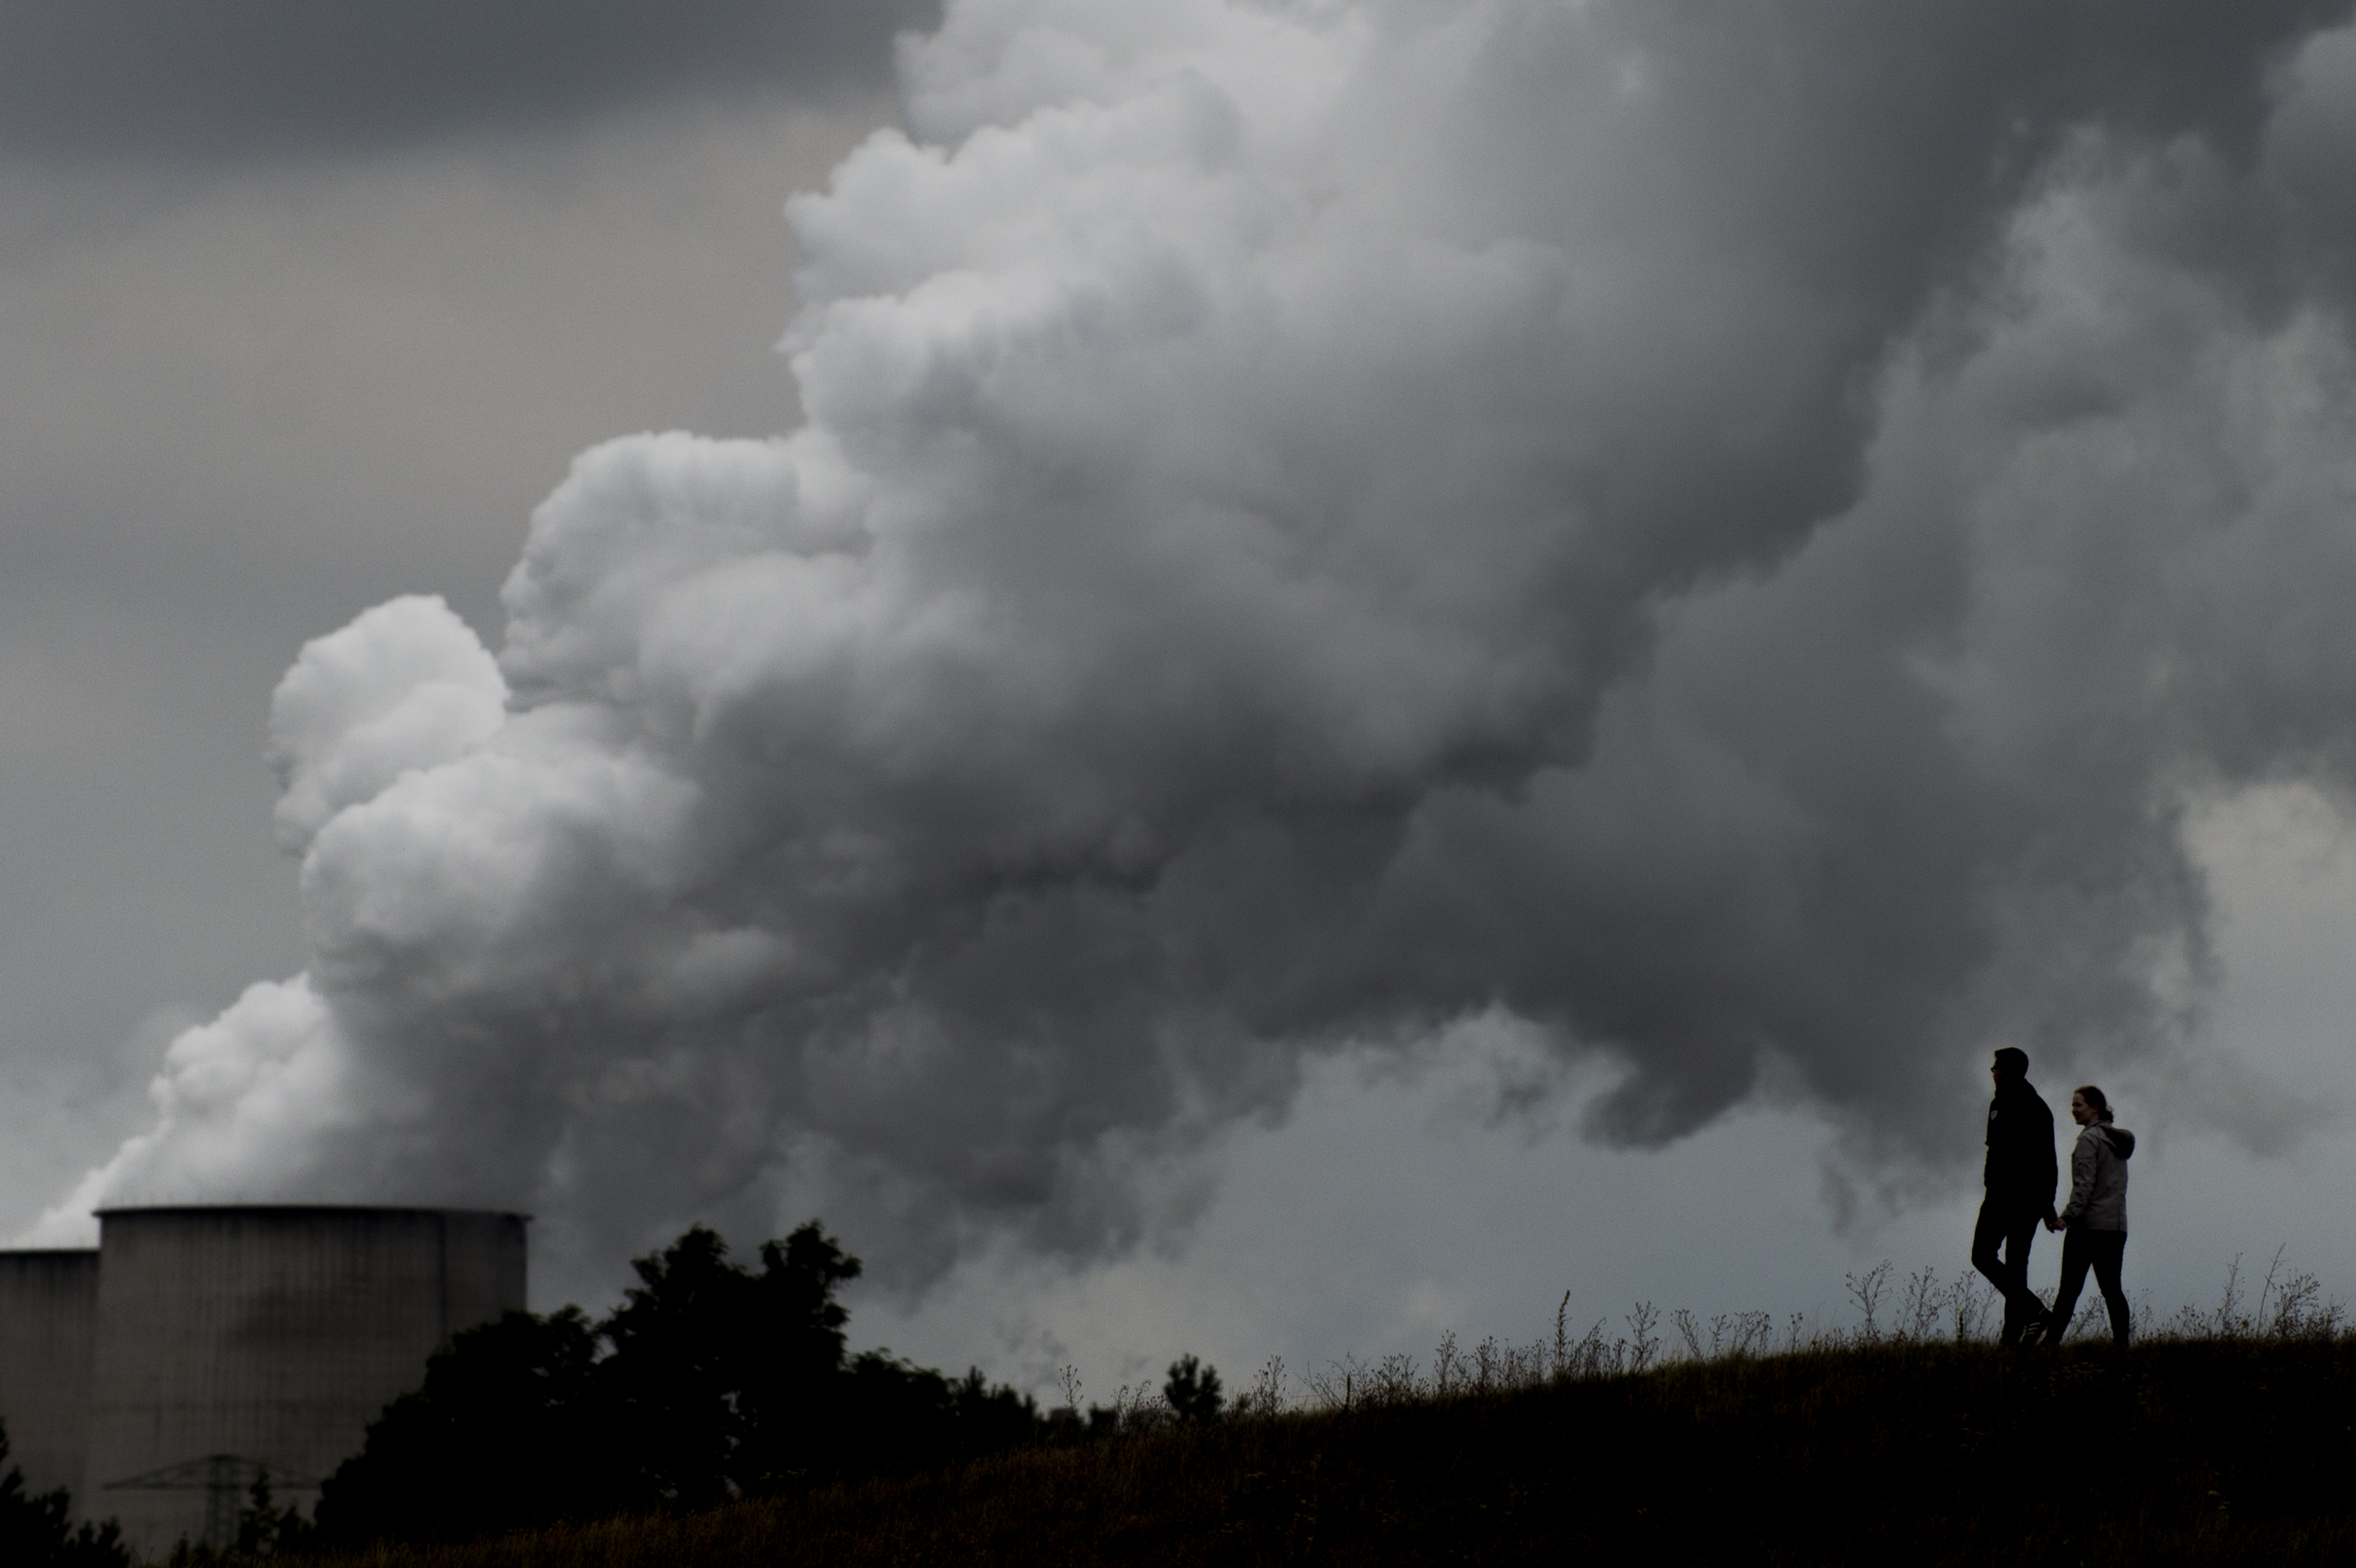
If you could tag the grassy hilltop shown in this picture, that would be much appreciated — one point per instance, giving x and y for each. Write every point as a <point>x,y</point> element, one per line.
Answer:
<point>2219,1450</point>
<point>715,1420</point>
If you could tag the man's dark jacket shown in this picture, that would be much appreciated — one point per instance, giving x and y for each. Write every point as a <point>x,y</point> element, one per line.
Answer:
<point>2022,1172</point>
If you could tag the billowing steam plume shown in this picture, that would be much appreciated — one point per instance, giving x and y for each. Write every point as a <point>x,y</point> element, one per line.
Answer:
<point>1729,534</point>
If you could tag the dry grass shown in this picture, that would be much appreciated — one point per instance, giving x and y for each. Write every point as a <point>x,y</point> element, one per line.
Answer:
<point>2211,1452</point>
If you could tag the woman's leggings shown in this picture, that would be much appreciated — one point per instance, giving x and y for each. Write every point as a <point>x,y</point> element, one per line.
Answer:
<point>2102,1250</point>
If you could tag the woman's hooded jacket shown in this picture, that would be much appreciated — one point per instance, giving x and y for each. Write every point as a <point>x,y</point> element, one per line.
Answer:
<point>2098,1178</point>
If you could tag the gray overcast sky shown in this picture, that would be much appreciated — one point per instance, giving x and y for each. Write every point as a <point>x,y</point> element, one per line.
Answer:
<point>1806,544</point>
<point>279,81</point>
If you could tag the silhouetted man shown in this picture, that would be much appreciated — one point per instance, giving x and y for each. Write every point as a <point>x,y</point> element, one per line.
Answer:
<point>2020,1176</point>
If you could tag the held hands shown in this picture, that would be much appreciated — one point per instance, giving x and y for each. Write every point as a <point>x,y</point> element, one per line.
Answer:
<point>2054,1224</point>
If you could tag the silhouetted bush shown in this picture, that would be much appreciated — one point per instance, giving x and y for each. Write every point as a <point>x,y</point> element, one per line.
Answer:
<point>709,1381</point>
<point>36,1528</point>
<point>1193,1391</point>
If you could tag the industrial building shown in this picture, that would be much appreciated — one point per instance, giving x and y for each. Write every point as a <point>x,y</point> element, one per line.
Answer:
<point>49,1312</point>
<point>195,1346</point>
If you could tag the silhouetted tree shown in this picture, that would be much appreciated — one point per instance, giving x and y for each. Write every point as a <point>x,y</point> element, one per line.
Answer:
<point>1193,1391</point>
<point>506,1432</point>
<point>710,1380</point>
<point>265,1527</point>
<point>36,1528</point>
<point>723,1377</point>
<point>992,1416</point>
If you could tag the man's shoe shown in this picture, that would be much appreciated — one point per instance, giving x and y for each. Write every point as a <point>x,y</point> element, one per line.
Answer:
<point>2037,1333</point>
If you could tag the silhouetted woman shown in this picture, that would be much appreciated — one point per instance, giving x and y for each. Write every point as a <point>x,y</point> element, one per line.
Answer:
<point>2096,1216</point>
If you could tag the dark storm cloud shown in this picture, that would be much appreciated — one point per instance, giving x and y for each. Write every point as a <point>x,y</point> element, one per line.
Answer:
<point>273,79</point>
<point>1729,534</point>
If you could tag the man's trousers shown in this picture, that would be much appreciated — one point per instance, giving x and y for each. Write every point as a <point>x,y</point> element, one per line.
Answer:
<point>2011,1225</point>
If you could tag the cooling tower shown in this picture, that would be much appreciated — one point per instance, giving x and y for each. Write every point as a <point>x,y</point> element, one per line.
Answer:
<point>234,1338</point>
<point>48,1305</point>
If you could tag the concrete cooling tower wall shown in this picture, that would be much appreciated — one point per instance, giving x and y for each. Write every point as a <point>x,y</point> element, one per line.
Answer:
<point>48,1305</point>
<point>232,1338</point>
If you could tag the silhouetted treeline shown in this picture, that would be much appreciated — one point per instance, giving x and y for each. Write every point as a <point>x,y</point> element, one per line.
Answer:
<point>36,1531</point>
<point>710,1380</point>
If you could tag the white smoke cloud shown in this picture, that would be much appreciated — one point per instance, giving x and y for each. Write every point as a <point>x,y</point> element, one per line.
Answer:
<point>1317,521</point>
<point>406,686</point>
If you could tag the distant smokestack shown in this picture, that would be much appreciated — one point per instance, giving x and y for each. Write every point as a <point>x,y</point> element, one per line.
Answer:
<point>232,1338</point>
<point>48,1310</point>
